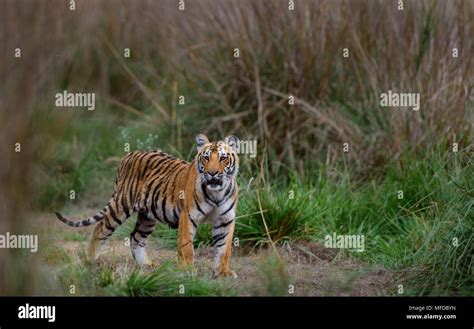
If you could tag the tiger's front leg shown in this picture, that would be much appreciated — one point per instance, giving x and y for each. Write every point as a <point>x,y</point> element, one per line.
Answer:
<point>222,234</point>
<point>186,231</point>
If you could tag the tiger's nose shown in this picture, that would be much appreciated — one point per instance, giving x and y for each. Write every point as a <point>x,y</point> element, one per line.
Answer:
<point>212,173</point>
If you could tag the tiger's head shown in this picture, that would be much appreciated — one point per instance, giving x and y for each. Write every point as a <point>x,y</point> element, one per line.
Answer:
<point>217,162</point>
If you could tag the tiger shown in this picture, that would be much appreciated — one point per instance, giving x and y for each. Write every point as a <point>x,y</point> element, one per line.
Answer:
<point>162,188</point>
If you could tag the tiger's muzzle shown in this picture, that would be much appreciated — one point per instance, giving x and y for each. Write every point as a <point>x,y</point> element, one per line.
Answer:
<point>214,180</point>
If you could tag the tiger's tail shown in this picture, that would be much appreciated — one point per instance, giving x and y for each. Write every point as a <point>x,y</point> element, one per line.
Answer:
<point>86,222</point>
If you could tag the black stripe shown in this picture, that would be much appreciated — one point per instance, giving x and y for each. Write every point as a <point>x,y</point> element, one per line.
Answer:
<point>184,245</point>
<point>125,207</point>
<point>164,167</point>
<point>223,224</point>
<point>114,215</point>
<point>231,206</point>
<point>168,184</point>
<point>152,171</point>
<point>171,178</point>
<point>145,169</point>
<point>154,210</point>
<point>206,195</point>
<point>163,207</point>
<point>134,179</point>
<point>232,171</point>
<point>133,192</point>
<point>156,190</point>
<point>192,221</point>
<point>227,193</point>
<point>230,188</point>
<point>144,234</point>
<point>198,207</point>
<point>108,226</point>
<point>218,238</point>
<point>220,245</point>
<point>129,188</point>
<point>155,196</point>
<point>128,166</point>
<point>123,164</point>
<point>154,199</point>
<point>164,184</point>
<point>143,217</point>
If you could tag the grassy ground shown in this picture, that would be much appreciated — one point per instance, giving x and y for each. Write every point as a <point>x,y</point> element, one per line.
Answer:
<point>308,269</point>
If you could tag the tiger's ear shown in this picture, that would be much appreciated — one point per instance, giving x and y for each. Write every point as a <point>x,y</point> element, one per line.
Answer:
<point>233,142</point>
<point>201,140</point>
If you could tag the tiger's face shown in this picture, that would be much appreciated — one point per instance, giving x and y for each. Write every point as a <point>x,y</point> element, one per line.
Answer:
<point>217,162</point>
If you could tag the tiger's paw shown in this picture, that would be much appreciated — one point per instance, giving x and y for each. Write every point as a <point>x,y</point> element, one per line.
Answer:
<point>148,262</point>
<point>141,257</point>
<point>187,269</point>
<point>224,274</point>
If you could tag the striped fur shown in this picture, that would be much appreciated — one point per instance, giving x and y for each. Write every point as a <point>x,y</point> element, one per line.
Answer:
<point>162,188</point>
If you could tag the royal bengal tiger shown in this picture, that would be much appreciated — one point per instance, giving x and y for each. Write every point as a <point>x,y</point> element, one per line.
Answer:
<point>183,195</point>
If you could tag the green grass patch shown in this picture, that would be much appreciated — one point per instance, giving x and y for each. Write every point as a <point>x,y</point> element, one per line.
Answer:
<point>410,218</point>
<point>110,279</point>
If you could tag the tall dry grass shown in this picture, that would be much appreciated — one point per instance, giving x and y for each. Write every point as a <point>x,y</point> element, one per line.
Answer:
<point>282,53</point>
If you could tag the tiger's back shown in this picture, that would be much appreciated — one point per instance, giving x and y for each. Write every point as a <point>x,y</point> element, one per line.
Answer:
<point>151,182</point>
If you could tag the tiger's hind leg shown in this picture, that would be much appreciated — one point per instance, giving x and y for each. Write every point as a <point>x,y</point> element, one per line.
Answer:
<point>139,236</point>
<point>113,218</point>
